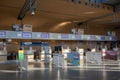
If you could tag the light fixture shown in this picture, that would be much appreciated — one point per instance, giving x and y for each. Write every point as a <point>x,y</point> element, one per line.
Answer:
<point>33,9</point>
<point>33,12</point>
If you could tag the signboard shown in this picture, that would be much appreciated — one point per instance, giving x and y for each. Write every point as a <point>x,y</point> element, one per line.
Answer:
<point>36,35</point>
<point>78,37</point>
<point>64,36</point>
<point>114,38</point>
<point>54,36</point>
<point>102,38</point>
<point>111,55</point>
<point>44,36</point>
<point>27,28</point>
<point>27,35</point>
<point>58,60</point>
<point>20,55</point>
<point>17,27</point>
<point>80,31</point>
<point>92,37</point>
<point>71,36</point>
<point>73,59</point>
<point>94,57</point>
<point>2,34</point>
<point>86,37</point>
<point>14,34</point>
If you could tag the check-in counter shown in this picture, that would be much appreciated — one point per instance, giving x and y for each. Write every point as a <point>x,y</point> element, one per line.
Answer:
<point>3,55</point>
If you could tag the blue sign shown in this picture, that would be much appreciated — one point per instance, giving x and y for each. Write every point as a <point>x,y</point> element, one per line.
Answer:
<point>27,35</point>
<point>102,38</point>
<point>2,34</point>
<point>44,35</point>
<point>78,37</point>
<point>34,44</point>
<point>64,36</point>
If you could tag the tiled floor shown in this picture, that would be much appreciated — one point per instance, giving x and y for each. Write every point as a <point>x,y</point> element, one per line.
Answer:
<point>110,70</point>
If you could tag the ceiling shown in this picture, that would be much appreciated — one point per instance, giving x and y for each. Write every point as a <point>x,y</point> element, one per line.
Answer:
<point>112,2</point>
<point>55,15</point>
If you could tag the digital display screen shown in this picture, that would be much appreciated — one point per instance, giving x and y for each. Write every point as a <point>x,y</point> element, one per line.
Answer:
<point>64,36</point>
<point>2,34</point>
<point>27,35</point>
<point>44,35</point>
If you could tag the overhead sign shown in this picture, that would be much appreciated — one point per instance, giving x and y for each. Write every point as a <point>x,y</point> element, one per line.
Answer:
<point>27,28</point>
<point>54,36</point>
<point>2,34</point>
<point>64,36</point>
<point>27,35</point>
<point>78,37</point>
<point>44,36</point>
<point>80,31</point>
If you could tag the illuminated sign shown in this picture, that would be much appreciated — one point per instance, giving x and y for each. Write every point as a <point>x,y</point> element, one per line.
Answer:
<point>64,36</point>
<point>27,35</point>
<point>2,34</point>
<point>44,35</point>
<point>78,37</point>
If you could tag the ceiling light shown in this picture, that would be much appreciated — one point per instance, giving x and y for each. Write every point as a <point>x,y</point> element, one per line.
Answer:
<point>33,13</point>
<point>88,12</point>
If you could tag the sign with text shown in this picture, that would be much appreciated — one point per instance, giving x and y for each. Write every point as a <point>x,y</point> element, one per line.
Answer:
<point>27,28</point>
<point>64,36</point>
<point>44,36</point>
<point>111,55</point>
<point>2,34</point>
<point>78,37</point>
<point>27,35</point>
<point>54,36</point>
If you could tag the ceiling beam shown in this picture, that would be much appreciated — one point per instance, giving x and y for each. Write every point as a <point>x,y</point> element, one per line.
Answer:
<point>27,6</point>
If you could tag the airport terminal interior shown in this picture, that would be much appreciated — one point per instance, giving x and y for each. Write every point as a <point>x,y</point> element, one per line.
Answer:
<point>59,39</point>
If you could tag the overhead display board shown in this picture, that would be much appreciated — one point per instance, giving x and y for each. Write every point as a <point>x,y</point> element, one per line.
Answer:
<point>102,38</point>
<point>44,36</point>
<point>78,37</point>
<point>2,34</point>
<point>53,36</point>
<point>26,35</point>
<point>36,35</point>
<point>14,34</point>
<point>72,37</point>
<point>64,36</point>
